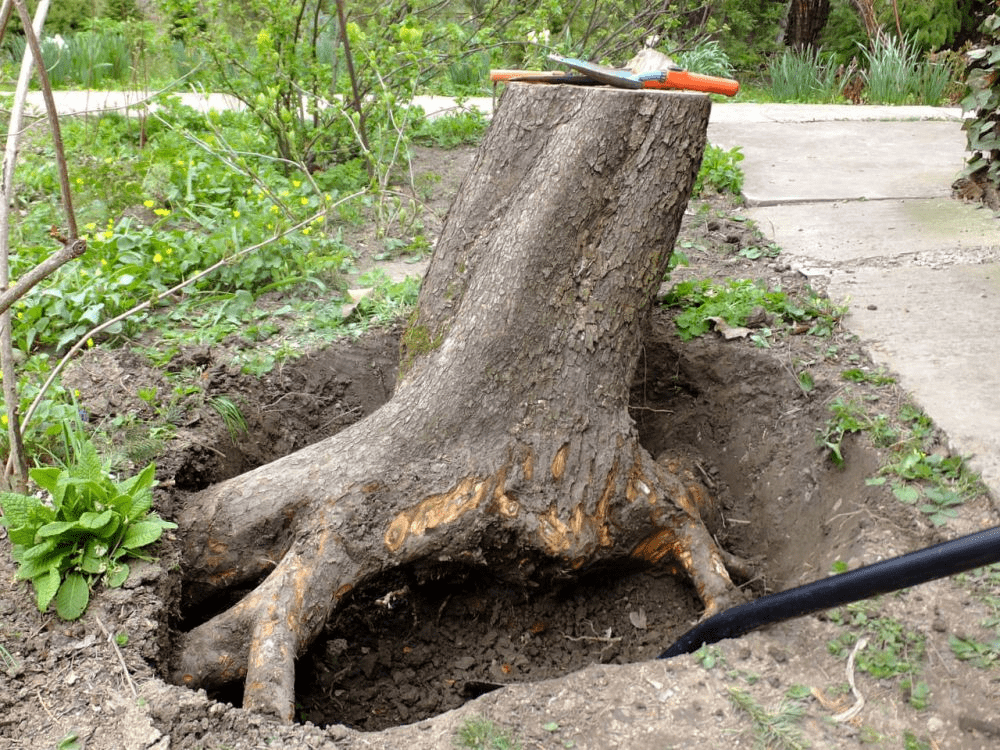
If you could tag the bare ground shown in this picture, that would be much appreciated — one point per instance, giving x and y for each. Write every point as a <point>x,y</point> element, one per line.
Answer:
<point>401,664</point>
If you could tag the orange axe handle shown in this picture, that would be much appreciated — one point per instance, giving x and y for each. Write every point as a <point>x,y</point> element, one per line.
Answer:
<point>681,79</point>
<point>498,76</point>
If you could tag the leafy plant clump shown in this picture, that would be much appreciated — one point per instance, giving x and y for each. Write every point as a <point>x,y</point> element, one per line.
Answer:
<point>984,585</point>
<point>917,471</point>
<point>82,532</point>
<point>983,102</point>
<point>704,302</point>
<point>720,171</point>
<point>892,650</point>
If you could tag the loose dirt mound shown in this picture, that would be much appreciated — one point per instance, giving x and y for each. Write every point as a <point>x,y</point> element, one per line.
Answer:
<point>577,660</point>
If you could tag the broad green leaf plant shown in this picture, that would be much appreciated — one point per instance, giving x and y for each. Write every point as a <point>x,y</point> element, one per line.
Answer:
<point>82,531</point>
<point>982,105</point>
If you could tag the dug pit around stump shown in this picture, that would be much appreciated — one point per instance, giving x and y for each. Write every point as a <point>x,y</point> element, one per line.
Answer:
<point>414,643</point>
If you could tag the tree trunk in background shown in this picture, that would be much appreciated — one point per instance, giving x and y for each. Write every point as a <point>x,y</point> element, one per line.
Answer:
<point>806,19</point>
<point>508,441</point>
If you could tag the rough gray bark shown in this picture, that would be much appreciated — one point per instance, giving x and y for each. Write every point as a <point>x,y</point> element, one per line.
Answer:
<point>508,440</point>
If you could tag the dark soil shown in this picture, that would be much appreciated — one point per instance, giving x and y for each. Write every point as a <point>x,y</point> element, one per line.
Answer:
<point>418,643</point>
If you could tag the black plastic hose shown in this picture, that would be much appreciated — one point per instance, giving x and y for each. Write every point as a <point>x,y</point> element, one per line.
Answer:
<point>939,561</point>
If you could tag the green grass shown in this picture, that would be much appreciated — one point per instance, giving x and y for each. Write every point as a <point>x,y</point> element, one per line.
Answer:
<point>478,733</point>
<point>806,76</point>
<point>895,74</point>
<point>776,729</point>
<point>451,130</point>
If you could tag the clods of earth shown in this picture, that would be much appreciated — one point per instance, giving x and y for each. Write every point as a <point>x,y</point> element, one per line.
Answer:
<point>423,661</point>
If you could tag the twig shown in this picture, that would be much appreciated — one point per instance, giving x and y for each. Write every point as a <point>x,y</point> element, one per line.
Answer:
<point>859,699</point>
<point>50,108</point>
<point>71,250</point>
<point>38,693</point>
<point>118,653</point>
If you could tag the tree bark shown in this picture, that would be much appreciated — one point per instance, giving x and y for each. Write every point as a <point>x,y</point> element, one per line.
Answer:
<point>806,19</point>
<point>508,440</point>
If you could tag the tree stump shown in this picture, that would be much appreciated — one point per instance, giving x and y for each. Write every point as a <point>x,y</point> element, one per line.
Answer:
<point>508,440</point>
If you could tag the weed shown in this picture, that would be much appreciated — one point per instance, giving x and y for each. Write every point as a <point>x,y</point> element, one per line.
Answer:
<point>918,694</point>
<point>9,663</point>
<point>849,417</point>
<point>984,584</point>
<point>479,733</point>
<point>773,729</point>
<point>232,417</point>
<point>121,639</point>
<point>708,656</point>
<point>733,301</point>
<point>755,252</point>
<point>451,130</point>
<point>869,736</point>
<point>84,531</point>
<point>719,171</point>
<point>892,650</point>
<point>838,566</point>
<point>979,654</point>
<point>859,375</point>
<point>913,742</point>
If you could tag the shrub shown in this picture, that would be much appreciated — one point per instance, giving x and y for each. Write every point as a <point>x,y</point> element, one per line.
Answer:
<point>983,101</point>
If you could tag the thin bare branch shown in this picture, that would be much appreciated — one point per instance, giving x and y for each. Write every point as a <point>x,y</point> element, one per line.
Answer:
<point>50,108</point>
<point>69,251</point>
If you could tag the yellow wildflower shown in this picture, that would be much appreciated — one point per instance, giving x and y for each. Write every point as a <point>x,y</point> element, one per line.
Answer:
<point>157,258</point>
<point>162,212</point>
<point>236,213</point>
<point>148,204</point>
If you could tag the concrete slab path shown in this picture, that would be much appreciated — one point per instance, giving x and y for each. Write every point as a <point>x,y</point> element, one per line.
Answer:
<point>861,196</point>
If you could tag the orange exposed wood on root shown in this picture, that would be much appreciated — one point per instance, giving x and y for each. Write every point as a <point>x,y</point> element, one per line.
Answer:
<point>343,591</point>
<point>559,462</point>
<point>552,530</point>
<point>662,544</point>
<point>638,485</point>
<point>437,510</point>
